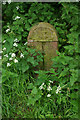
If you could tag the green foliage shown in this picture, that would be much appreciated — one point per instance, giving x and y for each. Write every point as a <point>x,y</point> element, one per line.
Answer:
<point>51,94</point>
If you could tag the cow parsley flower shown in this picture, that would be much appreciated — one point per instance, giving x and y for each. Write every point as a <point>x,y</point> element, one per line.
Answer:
<point>50,81</point>
<point>16,40</point>
<point>9,1</point>
<point>48,95</point>
<point>4,41</point>
<point>13,55</point>
<point>17,17</point>
<point>7,30</point>
<point>4,48</point>
<point>10,53</point>
<point>4,2</point>
<point>10,58</point>
<point>58,89</point>
<point>21,56</point>
<point>6,55</point>
<point>25,43</point>
<point>15,45</point>
<point>15,61</point>
<point>17,7</point>
<point>8,64</point>
<point>49,88</point>
<point>41,87</point>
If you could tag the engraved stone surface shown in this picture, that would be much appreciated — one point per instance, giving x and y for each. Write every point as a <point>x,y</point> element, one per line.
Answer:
<point>43,37</point>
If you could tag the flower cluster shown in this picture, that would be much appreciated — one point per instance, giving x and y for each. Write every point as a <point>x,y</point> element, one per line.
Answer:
<point>21,56</point>
<point>8,30</point>
<point>8,64</point>
<point>6,55</point>
<point>15,61</point>
<point>16,40</point>
<point>48,95</point>
<point>41,87</point>
<point>4,41</point>
<point>13,55</point>
<point>58,89</point>
<point>17,7</point>
<point>15,45</point>
<point>4,2</point>
<point>17,17</point>
<point>4,48</point>
<point>49,88</point>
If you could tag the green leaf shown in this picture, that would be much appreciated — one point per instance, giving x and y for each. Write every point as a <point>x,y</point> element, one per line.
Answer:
<point>25,67</point>
<point>34,91</point>
<point>63,73</point>
<point>30,86</point>
<point>74,76</point>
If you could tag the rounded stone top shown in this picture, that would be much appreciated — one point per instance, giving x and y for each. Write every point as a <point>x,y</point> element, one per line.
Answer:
<point>42,32</point>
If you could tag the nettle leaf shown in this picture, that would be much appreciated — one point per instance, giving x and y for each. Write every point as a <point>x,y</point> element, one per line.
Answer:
<point>30,100</point>
<point>64,72</point>
<point>34,91</point>
<point>25,66</point>
<point>34,96</point>
<point>31,60</point>
<point>7,74</point>
<point>74,76</point>
<point>30,86</point>
<point>9,43</point>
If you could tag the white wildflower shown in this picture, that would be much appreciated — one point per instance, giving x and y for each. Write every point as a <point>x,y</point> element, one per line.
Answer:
<point>13,55</point>
<point>49,88</point>
<point>10,53</point>
<point>41,87</point>
<point>4,48</point>
<point>6,55</point>
<point>42,84</point>
<point>7,30</point>
<point>1,51</point>
<point>0,57</point>
<point>17,17</point>
<point>50,81</point>
<point>58,89</point>
<point>16,40</point>
<point>15,61</point>
<point>8,64</point>
<point>21,56</point>
<point>25,43</point>
<point>4,2</point>
<point>9,1</point>
<point>15,45</point>
<point>4,41</point>
<point>17,7</point>
<point>10,58</point>
<point>48,95</point>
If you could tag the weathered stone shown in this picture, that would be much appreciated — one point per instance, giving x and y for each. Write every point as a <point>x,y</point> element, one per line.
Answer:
<point>44,38</point>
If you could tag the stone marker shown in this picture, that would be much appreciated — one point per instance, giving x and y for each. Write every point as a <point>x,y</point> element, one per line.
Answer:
<point>44,38</point>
